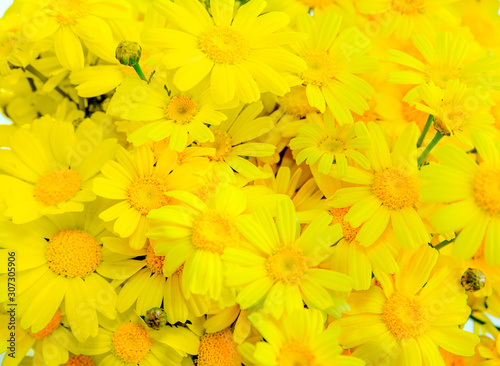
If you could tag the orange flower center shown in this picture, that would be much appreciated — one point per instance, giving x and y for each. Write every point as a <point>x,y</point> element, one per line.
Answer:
<point>487,189</point>
<point>214,231</point>
<point>131,342</point>
<point>221,144</point>
<point>218,349</point>
<point>224,45</point>
<point>404,315</point>
<point>408,6</point>
<point>73,253</point>
<point>49,328</point>
<point>348,231</point>
<point>57,186</point>
<point>68,11</point>
<point>79,360</point>
<point>154,262</point>
<point>181,109</point>
<point>287,265</point>
<point>295,354</point>
<point>295,102</point>
<point>395,188</point>
<point>148,193</point>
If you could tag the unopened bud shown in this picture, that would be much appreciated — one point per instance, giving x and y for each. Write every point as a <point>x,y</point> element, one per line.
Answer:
<point>128,53</point>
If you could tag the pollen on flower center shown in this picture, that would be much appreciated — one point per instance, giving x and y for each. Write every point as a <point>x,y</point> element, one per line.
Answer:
<point>80,360</point>
<point>395,188</point>
<point>332,145</point>
<point>131,342</point>
<point>57,186</point>
<point>295,354</point>
<point>404,315</point>
<point>451,121</point>
<point>73,253</point>
<point>154,262</point>
<point>348,231</point>
<point>218,349</point>
<point>287,265</point>
<point>49,328</point>
<point>147,193</point>
<point>214,231</point>
<point>320,68</point>
<point>295,102</point>
<point>487,189</point>
<point>221,144</point>
<point>68,11</point>
<point>181,109</point>
<point>224,45</point>
<point>408,6</point>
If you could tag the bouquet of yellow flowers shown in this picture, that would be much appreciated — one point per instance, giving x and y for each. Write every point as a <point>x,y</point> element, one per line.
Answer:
<point>250,182</point>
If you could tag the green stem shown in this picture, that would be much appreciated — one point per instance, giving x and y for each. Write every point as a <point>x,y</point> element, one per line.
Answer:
<point>139,72</point>
<point>44,79</point>
<point>81,103</point>
<point>425,130</point>
<point>445,243</point>
<point>429,147</point>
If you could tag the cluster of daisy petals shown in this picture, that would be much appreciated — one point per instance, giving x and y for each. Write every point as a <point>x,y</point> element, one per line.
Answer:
<point>257,183</point>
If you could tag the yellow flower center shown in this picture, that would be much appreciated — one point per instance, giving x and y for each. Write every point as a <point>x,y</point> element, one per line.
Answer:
<point>412,114</point>
<point>295,354</point>
<point>148,193</point>
<point>154,262</point>
<point>452,120</point>
<point>214,231</point>
<point>320,68</point>
<point>224,45</point>
<point>395,188</point>
<point>408,6</point>
<point>179,270</point>
<point>487,189</point>
<point>8,44</point>
<point>295,102</point>
<point>181,109</point>
<point>131,342</point>
<point>57,186</point>
<point>348,231</point>
<point>287,265</point>
<point>73,253</point>
<point>68,11</point>
<point>404,315</point>
<point>80,360</point>
<point>218,349</point>
<point>333,146</point>
<point>49,328</point>
<point>221,144</point>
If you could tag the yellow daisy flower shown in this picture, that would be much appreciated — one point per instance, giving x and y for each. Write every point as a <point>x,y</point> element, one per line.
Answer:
<point>391,192</point>
<point>128,340</point>
<point>141,186</point>
<point>147,287</point>
<point>51,345</point>
<point>405,18</point>
<point>356,261</point>
<point>323,141</point>
<point>453,112</point>
<point>282,264</point>
<point>239,52</point>
<point>455,60</point>
<point>406,320</point>
<point>231,141</point>
<point>170,113</point>
<point>73,21</point>
<point>472,191</point>
<point>333,62</point>
<point>62,255</point>
<point>196,234</point>
<point>52,167</point>
<point>299,338</point>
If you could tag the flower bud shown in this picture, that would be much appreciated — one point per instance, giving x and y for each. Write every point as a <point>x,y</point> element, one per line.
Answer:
<point>128,53</point>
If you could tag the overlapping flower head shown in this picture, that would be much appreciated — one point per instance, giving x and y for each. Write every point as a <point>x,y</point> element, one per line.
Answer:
<point>250,182</point>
